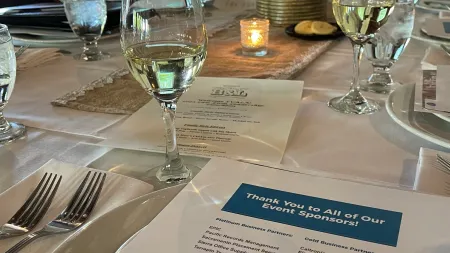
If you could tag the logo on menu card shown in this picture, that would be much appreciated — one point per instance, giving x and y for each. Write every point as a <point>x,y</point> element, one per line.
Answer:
<point>229,92</point>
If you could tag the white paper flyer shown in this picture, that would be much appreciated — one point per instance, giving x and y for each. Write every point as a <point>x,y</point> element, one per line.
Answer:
<point>243,208</point>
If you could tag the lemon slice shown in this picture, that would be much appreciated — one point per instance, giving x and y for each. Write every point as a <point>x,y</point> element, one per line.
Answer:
<point>304,27</point>
<point>322,28</point>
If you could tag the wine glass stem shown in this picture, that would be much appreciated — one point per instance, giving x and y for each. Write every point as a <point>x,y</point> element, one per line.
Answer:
<point>173,160</point>
<point>90,48</point>
<point>4,124</point>
<point>357,53</point>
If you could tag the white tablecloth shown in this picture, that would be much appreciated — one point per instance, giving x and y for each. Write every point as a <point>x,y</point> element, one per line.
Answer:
<point>371,147</point>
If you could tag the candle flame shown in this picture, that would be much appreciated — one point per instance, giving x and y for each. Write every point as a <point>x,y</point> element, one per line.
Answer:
<point>256,37</point>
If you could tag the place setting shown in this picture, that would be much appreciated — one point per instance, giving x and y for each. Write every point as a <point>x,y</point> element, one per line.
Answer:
<point>60,198</point>
<point>52,26</point>
<point>421,108</point>
<point>431,22</point>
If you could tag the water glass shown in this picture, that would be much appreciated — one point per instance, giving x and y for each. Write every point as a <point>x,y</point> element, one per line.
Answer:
<point>9,131</point>
<point>87,19</point>
<point>386,47</point>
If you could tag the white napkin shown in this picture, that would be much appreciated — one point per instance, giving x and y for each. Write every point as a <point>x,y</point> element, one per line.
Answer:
<point>35,57</point>
<point>431,177</point>
<point>117,190</point>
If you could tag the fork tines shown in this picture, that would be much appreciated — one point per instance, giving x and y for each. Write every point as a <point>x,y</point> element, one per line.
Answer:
<point>84,199</point>
<point>444,162</point>
<point>38,203</point>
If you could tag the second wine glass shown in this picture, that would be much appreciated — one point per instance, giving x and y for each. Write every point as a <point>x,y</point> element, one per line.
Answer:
<point>164,43</point>
<point>359,19</point>
<point>87,18</point>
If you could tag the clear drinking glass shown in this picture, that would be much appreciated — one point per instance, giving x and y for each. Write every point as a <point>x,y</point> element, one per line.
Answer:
<point>164,43</point>
<point>87,19</point>
<point>9,131</point>
<point>385,48</point>
<point>360,20</point>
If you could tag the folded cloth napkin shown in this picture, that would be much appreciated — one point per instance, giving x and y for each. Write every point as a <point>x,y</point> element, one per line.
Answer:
<point>116,191</point>
<point>432,177</point>
<point>35,57</point>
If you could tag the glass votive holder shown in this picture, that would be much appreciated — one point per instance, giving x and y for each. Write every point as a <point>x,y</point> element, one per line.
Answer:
<point>254,36</point>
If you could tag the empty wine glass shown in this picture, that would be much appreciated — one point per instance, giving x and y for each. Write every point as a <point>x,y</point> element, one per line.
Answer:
<point>359,19</point>
<point>385,48</point>
<point>9,131</point>
<point>164,43</point>
<point>87,19</point>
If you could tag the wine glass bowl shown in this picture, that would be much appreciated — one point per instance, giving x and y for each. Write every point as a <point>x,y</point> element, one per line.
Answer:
<point>164,44</point>
<point>359,20</point>
<point>87,18</point>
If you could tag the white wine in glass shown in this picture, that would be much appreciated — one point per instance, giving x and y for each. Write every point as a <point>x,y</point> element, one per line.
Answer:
<point>360,20</point>
<point>164,44</point>
<point>165,69</point>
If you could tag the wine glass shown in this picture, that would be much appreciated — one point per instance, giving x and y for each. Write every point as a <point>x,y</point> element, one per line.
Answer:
<point>87,18</point>
<point>164,44</point>
<point>9,131</point>
<point>359,19</point>
<point>387,45</point>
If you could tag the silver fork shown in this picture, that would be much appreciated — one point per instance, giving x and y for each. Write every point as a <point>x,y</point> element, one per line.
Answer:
<point>34,208</point>
<point>76,213</point>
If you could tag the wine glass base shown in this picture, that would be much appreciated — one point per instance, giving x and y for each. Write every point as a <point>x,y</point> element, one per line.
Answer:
<point>349,106</point>
<point>16,131</point>
<point>161,178</point>
<point>379,88</point>
<point>92,57</point>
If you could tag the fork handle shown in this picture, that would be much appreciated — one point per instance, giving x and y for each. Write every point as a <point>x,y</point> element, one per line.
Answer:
<point>27,240</point>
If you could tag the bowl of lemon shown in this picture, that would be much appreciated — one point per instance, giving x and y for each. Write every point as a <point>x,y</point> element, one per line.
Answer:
<point>314,30</point>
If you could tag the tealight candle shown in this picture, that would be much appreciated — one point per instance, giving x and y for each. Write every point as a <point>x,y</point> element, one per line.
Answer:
<point>254,36</point>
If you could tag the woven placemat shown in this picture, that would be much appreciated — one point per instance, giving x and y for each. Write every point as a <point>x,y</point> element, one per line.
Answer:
<point>118,93</point>
<point>286,57</point>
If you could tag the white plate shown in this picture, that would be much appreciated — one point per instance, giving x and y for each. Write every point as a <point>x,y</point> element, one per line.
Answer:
<point>400,106</point>
<point>433,7</point>
<point>109,232</point>
<point>443,117</point>
<point>33,41</point>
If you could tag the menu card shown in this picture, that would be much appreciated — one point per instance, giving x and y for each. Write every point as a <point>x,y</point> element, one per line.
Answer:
<point>432,89</point>
<point>236,207</point>
<point>245,119</point>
